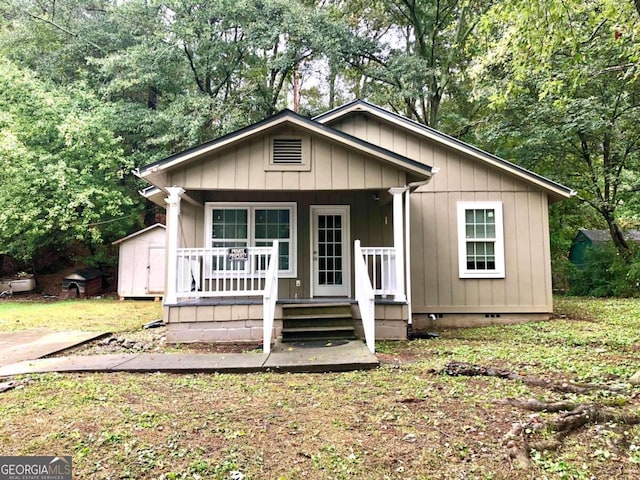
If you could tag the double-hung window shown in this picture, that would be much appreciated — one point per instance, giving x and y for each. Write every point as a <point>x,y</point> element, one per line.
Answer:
<point>242,225</point>
<point>480,240</point>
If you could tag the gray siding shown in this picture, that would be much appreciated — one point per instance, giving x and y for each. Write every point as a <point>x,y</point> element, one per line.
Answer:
<point>333,167</point>
<point>371,222</point>
<point>436,287</point>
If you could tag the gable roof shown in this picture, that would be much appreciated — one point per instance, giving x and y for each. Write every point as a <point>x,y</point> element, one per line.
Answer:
<point>555,190</point>
<point>139,232</point>
<point>287,117</point>
<point>598,236</point>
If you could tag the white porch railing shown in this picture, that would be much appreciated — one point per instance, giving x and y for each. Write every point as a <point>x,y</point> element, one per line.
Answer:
<point>380,265</point>
<point>210,272</point>
<point>365,297</point>
<point>269,299</point>
<point>213,272</point>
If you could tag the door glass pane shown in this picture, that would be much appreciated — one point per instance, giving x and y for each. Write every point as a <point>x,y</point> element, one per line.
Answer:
<point>330,249</point>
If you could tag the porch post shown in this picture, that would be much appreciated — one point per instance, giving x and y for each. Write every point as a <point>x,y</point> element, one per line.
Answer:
<point>173,243</point>
<point>398,241</point>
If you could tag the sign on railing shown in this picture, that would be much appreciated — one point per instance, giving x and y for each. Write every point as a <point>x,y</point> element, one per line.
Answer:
<point>222,272</point>
<point>238,254</point>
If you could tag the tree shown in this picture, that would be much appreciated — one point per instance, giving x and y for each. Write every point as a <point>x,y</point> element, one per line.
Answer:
<point>415,56</point>
<point>563,79</point>
<point>62,170</point>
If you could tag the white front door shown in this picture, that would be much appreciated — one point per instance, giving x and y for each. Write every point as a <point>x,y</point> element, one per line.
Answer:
<point>330,258</point>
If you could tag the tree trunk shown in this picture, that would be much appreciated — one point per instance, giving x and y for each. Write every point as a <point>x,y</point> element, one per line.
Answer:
<point>616,236</point>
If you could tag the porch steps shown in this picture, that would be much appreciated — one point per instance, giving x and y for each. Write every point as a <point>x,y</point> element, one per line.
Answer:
<point>317,322</point>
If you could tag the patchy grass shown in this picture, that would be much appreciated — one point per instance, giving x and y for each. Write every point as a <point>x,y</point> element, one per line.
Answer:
<point>104,314</point>
<point>402,421</point>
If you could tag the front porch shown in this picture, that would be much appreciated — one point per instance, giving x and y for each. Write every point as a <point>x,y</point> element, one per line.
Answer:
<point>236,291</point>
<point>240,320</point>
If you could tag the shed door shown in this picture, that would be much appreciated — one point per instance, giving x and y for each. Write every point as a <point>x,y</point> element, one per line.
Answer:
<point>330,251</point>
<point>155,269</point>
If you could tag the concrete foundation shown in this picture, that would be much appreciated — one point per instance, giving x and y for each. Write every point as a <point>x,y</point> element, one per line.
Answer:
<point>466,320</point>
<point>229,322</point>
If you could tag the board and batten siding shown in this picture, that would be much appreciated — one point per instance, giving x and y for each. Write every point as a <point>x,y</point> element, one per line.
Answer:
<point>141,264</point>
<point>436,286</point>
<point>242,167</point>
<point>371,223</point>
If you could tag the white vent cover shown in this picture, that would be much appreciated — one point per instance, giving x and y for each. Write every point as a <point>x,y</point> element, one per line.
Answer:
<point>287,150</point>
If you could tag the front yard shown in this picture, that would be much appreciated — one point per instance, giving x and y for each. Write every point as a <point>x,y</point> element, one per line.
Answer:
<point>406,420</point>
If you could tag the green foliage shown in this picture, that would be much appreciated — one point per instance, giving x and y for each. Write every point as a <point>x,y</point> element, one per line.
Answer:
<point>562,78</point>
<point>89,315</point>
<point>606,273</point>
<point>63,170</point>
<point>415,57</point>
<point>403,420</point>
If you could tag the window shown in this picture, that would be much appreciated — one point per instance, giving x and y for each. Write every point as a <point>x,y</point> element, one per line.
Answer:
<point>480,240</point>
<point>253,225</point>
<point>229,230</point>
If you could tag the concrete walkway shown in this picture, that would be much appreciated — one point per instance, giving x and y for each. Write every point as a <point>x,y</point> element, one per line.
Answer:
<point>40,342</point>
<point>341,356</point>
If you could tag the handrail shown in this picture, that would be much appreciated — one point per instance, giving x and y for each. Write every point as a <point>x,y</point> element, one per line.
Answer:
<point>365,298</point>
<point>269,298</point>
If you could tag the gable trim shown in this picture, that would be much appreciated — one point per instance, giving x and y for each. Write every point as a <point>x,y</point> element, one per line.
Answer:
<point>557,190</point>
<point>291,118</point>
<point>139,232</point>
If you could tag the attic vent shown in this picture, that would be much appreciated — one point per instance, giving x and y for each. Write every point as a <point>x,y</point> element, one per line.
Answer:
<point>287,151</point>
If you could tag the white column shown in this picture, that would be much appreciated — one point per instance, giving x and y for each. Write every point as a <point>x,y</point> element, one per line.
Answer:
<point>407,251</point>
<point>398,241</point>
<point>173,243</point>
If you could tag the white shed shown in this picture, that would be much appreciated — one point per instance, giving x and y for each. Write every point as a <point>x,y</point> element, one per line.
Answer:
<point>141,263</point>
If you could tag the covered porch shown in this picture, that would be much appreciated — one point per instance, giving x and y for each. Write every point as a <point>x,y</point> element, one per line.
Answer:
<point>285,210</point>
<point>236,287</point>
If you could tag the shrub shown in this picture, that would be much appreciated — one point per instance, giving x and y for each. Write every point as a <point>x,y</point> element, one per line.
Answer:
<point>606,273</point>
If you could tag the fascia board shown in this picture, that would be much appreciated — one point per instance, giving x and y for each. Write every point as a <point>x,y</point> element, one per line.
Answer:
<point>298,121</point>
<point>450,142</point>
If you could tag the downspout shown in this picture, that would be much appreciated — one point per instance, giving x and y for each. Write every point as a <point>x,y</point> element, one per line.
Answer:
<point>407,250</point>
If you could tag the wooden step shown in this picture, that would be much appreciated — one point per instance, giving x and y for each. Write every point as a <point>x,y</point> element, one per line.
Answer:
<point>312,322</point>
<point>317,321</point>
<point>293,310</point>
<point>319,316</point>
<point>318,329</point>
<point>309,335</point>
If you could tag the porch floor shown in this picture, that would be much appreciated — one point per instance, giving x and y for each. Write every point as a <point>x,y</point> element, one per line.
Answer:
<point>206,301</point>
<point>312,357</point>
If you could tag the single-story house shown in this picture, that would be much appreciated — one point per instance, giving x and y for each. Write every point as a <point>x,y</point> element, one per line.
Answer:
<point>585,239</point>
<point>406,226</point>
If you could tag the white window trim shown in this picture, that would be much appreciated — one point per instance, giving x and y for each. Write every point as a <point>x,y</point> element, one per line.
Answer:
<point>499,271</point>
<point>251,207</point>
